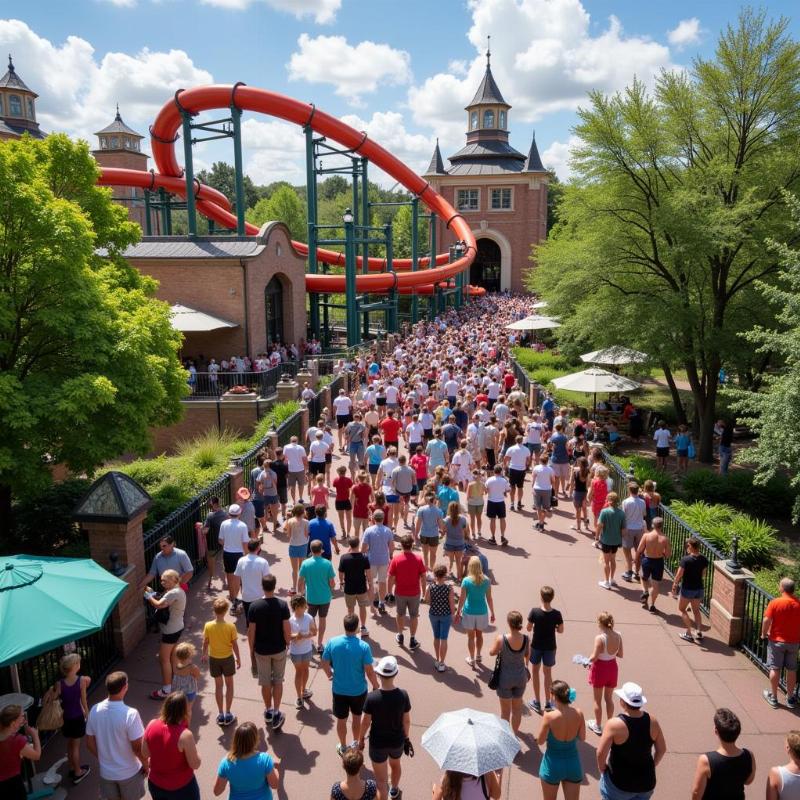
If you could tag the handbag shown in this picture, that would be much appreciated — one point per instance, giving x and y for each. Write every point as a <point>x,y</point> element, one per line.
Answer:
<point>162,615</point>
<point>51,717</point>
<point>494,681</point>
<point>691,451</point>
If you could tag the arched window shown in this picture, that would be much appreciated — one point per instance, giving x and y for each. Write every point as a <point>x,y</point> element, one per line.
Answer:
<point>488,119</point>
<point>14,105</point>
<point>273,308</point>
<point>502,123</point>
<point>473,120</point>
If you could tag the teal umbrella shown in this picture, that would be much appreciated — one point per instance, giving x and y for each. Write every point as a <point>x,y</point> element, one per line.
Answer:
<point>46,601</point>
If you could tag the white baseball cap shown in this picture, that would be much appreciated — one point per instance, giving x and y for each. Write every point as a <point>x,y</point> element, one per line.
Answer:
<point>234,509</point>
<point>387,666</point>
<point>631,694</point>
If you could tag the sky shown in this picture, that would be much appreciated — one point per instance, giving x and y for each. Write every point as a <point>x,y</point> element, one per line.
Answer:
<point>400,69</point>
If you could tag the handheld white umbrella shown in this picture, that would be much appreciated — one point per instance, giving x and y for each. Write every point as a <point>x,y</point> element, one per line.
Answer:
<point>615,356</point>
<point>594,380</point>
<point>472,742</point>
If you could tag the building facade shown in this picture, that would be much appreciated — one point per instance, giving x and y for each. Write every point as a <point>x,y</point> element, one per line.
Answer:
<point>501,192</point>
<point>17,107</point>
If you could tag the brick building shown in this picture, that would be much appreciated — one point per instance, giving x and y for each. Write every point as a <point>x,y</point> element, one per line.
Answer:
<point>501,192</point>
<point>17,107</point>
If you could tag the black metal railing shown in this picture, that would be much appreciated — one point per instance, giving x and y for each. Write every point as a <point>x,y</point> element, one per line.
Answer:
<point>205,385</point>
<point>337,383</point>
<point>756,600</point>
<point>521,375</point>
<point>314,405</point>
<point>292,426</point>
<point>675,529</point>
<point>247,461</point>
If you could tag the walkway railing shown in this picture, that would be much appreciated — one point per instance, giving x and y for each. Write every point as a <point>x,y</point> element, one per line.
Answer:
<point>756,600</point>
<point>206,385</point>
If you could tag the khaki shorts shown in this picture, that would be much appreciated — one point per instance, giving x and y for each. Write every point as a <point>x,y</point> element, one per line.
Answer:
<point>129,789</point>
<point>380,573</point>
<point>294,479</point>
<point>561,470</point>
<point>407,605</point>
<point>350,601</point>
<point>270,668</point>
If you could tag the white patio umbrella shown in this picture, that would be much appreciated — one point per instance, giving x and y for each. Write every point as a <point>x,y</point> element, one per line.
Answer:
<point>190,320</point>
<point>540,304</point>
<point>472,742</point>
<point>594,380</point>
<point>534,323</point>
<point>615,356</point>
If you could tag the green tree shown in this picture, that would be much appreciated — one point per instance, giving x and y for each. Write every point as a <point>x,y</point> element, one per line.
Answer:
<point>662,239</point>
<point>774,413</point>
<point>402,226</point>
<point>283,205</point>
<point>555,194</point>
<point>88,357</point>
<point>222,177</point>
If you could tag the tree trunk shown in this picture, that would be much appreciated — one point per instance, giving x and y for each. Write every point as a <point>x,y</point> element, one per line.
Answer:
<point>5,519</point>
<point>677,402</point>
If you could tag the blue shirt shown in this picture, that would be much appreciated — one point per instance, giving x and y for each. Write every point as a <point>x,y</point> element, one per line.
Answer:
<point>446,495</point>
<point>682,441</point>
<point>559,443</point>
<point>376,453</point>
<point>429,516</point>
<point>476,596</point>
<point>379,539</point>
<point>450,434</point>
<point>548,407</point>
<point>247,776</point>
<point>323,530</point>
<point>317,573</point>
<point>348,655</point>
<point>436,452</point>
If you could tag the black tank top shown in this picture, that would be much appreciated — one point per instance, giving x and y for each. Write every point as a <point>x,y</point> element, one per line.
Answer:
<point>580,483</point>
<point>728,774</point>
<point>630,765</point>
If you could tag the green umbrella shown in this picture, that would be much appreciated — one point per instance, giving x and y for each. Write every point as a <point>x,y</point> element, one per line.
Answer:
<point>46,601</point>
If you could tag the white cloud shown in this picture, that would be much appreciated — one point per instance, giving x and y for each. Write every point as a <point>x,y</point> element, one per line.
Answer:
<point>323,11</point>
<point>557,157</point>
<point>353,70</point>
<point>120,3</point>
<point>78,92</point>
<point>545,57</point>
<point>687,32</point>
<point>276,151</point>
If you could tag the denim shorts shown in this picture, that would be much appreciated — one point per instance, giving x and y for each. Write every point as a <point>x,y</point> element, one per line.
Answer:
<point>610,792</point>
<point>692,594</point>
<point>441,626</point>
<point>298,550</point>
<point>546,657</point>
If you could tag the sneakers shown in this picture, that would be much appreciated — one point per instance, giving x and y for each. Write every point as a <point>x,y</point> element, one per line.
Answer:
<point>440,667</point>
<point>364,632</point>
<point>604,584</point>
<point>535,705</point>
<point>320,649</point>
<point>228,718</point>
<point>770,698</point>
<point>548,706</point>
<point>268,714</point>
<point>399,638</point>
<point>381,608</point>
<point>278,718</point>
<point>503,541</point>
<point>653,609</point>
<point>413,644</point>
<point>389,598</point>
<point>376,602</point>
<point>469,661</point>
<point>394,791</point>
<point>594,727</point>
<point>341,750</point>
<point>298,704</point>
<point>791,702</point>
<point>687,637</point>
<point>85,770</point>
<point>627,575</point>
<point>220,719</point>
<point>307,695</point>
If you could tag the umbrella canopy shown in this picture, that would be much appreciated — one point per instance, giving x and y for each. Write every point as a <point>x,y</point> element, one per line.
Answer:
<point>614,356</point>
<point>472,742</point>
<point>534,323</point>
<point>540,304</point>
<point>46,601</point>
<point>594,380</point>
<point>190,320</point>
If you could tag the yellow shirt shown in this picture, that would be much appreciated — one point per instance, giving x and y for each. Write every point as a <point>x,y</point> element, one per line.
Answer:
<point>220,636</point>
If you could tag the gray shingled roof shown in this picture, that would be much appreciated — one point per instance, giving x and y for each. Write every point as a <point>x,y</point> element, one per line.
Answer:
<point>180,247</point>
<point>10,128</point>
<point>488,93</point>
<point>436,167</point>
<point>533,163</point>
<point>497,166</point>
<point>118,126</point>
<point>13,81</point>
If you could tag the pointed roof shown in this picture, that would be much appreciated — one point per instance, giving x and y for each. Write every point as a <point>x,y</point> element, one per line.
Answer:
<point>114,497</point>
<point>118,126</point>
<point>533,163</point>
<point>436,167</point>
<point>488,91</point>
<point>12,81</point>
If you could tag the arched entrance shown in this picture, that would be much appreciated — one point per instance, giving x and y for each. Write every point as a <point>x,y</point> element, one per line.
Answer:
<point>273,308</point>
<point>485,269</point>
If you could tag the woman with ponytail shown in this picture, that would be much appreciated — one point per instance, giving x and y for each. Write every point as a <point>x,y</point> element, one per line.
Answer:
<point>561,730</point>
<point>458,786</point>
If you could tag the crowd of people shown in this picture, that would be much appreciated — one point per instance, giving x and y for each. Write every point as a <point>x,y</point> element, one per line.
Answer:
<point>437,435</point>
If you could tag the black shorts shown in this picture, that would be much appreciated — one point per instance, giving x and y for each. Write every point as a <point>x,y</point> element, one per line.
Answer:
<point>406,494</point>
<point>229,561</point>
<point>496,510</point>
<point>387,444</point>
<point>171,638</point>
<point>516,478</point>
<point>316,467</point>
<point>662,452</point>
<point>652,568</point>
<point>320,608</point>
<point>329,458</point>
<point>343,505</point>
<point>342,420</point>
<point>344,704</point>
<point>283,495</point>
<point>609,548</point>
<point>421,484</point>
<point>380,401</point>
<point>490,459</point>
<point>378,755</point>
<point>428,433</point>
<point>74,728</point>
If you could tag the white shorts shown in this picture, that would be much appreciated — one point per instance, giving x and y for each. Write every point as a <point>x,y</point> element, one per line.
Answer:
<point>474,622</point>
<point>561,470</point>
<point>380,573</point>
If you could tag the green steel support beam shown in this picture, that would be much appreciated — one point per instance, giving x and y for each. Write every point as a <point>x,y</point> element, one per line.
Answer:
<point>311,214</point>
<point>353,337</point>
<point>365,220</point>
<point>432,242</point>
<point>148,223</point>
<point>391,313</point>
<point>236,119</point>
<point>188,173</point>
<point>414,256</point>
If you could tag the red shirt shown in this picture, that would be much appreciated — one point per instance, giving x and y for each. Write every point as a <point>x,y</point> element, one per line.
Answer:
<point>391,427</point>
<point>10,762</point>
<point>387,513</point>
<point>343,485</point>
<point>481,397</point>
<point>509,380</point>
<point>361,492</point>
<point>784,611</point>
<point>169,769</point>
<point>419,463</point>
<point>406,568</point>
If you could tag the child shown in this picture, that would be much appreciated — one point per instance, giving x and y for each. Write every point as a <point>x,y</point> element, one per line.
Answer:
<point>319,492</point>
<point>361,496</point>
<point>545,622</point>
<point>441,604</point>
<point>380,504</point>
<point>598,491</point>
<point>344,508</point>
<point>71,690</point>
<point>652,501</point>
<point>219,648</point>
<point>301,645</point>
<point>185,673</point>
<point>682,442</point>
<point>419,463</point>
<point>376,452</point>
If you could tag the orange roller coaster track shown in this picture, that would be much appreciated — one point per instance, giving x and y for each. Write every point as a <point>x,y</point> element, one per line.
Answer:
<point>168,175</point>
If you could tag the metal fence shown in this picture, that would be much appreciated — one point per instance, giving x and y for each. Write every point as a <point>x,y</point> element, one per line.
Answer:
<point>521,375</point>
<point>314,405</point>
<point>755,604</point>
<point>206,385</point>
<point>675,529</point>
<point>292,426</point>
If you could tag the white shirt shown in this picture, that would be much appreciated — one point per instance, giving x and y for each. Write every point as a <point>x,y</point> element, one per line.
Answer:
<point>497,486</point>
<point>388,466</point>
<point>661,437</point>
<point>233,534</point>
<point>295,453</point>
<point>303,625</point>
<point>635,510</point>
<point>451,388</point>
<point>342,404</point>
<point>543,477</point>
<point>392,393</point>
<point>115,725</point>
<point>251,569</point>
<point>493,390</point>
<point>307,394</point>
<point>415,432</point>
<point>533,433</point>
<point>318,450</point>
<point>518,455</point>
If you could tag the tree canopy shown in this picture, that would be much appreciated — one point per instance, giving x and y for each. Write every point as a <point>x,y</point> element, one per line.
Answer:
<point>662,236</point>
<point>283,205</point>
<point>88,357</point>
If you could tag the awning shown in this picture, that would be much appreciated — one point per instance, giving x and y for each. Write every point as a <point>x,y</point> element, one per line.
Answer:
<point>190,320</point>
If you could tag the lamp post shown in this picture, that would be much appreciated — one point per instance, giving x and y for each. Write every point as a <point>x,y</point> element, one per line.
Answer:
<point>351,302</point>
<point>732,564</point>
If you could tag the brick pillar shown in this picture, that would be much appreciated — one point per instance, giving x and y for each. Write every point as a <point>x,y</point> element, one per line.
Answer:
<point>287,391</point>
<point>726,610</point>
<point>304,421</point>
<point>313,368</point>
<point>126,539</point>
<point>237,480</point>
<point>306,376</point>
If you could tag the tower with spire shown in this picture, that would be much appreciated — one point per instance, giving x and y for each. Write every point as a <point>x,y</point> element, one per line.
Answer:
<point>17,107</point>
<point>499,190</point>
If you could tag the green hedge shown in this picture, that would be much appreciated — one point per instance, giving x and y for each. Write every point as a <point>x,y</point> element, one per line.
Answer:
<point>645,469</point>
<point>719,523</point>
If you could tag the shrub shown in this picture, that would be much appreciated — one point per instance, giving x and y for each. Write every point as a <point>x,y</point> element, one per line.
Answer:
<point>209,450</point>
<point>720,523</point>
<point>645,469</point>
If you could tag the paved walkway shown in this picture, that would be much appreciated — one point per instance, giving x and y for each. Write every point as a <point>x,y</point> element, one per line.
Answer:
<point>683,682</point>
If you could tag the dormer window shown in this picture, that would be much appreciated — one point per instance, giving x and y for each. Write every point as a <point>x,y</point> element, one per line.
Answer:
<point>488,119</point>
<point>502,123</point>
<point>14,105</point>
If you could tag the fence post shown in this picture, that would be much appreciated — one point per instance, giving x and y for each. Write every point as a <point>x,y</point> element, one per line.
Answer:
<point>304,421</point>
<point>287,390</point>
<point>727,606</point>
<point>237,480</point>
